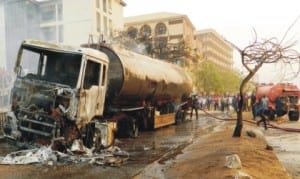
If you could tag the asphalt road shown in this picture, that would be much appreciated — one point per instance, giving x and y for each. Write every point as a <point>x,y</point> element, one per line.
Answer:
<point>159,145</point>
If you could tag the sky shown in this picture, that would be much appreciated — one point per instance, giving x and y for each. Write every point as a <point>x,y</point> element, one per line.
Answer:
<point>235,21</point>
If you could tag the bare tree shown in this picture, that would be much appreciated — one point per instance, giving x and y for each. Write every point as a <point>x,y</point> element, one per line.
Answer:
<point>254,56</point>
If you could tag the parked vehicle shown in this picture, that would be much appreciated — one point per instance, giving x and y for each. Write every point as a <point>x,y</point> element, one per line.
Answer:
<point>283,99</point>
<point>66,93</point>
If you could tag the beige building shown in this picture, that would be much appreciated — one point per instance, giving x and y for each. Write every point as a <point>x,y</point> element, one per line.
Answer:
<point>169,35</point>
<point>215,48</point>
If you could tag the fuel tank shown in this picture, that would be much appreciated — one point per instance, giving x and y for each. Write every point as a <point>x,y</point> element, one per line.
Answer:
<point>272,91</point>
<point>134,77</point>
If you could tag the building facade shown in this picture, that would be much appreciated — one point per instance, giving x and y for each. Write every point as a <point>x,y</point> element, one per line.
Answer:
<point>72,23</point>
<point>166,35</point>
<point>2,37</point>
<point>215,48</point>
<point>62,21</point>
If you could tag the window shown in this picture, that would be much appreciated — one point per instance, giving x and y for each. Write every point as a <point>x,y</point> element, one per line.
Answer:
<point>160,29</point>
<point>132,32</point>
<point>53,33</point>
<point>49,33</point>
<point>92,72</point>
<point>98,17</point>
<point>104,5</point>
<point>161,43</point>
<point>48,13</point>
<point>51,66</point>
<point>179,21</point>
<point>59,12</point>
<point>109,4</point>
<point>105,25</point>
<point>146,31</point>
<point>110,27</point>
<point>30,62</point>
<point>97,4</point>
<point>62,68</point>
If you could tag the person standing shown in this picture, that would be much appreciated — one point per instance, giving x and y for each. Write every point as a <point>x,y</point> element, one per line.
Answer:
<point>263,110</point>
<point>253,104</point>
<point>194,106</point>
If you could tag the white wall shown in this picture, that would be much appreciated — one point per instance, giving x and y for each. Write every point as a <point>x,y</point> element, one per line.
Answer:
<point>78,21</point>
<point>117,15</point>
<point>2,37</point>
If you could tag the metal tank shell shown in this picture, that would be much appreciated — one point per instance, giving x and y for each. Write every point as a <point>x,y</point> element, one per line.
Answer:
<point>274,90</point>
<point>135,77</point>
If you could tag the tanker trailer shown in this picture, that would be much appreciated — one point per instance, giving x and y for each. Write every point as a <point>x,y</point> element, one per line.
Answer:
<point>63,93</point>
<point>283,99</point>
<point>147,89</point>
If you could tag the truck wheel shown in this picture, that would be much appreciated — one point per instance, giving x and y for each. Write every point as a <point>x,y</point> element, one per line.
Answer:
<point>134,131</point>
<point>271,115</point>
<point>149,119</point>
<point>293,115</point>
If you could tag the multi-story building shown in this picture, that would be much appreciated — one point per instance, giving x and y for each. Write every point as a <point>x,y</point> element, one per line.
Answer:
<point>71,23</point>
<point>167,35</point>
<point>215,48</point>
<point>2,37</point>
<point>64,21</point>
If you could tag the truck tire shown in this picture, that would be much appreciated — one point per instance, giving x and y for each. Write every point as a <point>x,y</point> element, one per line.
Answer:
<point>149,119</point>
<point>293,115</point>
<point>134,131</point>
<point>271,115</point>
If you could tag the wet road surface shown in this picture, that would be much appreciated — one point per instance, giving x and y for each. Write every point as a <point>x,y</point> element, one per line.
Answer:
<point>286,146</point>
<point>161,144</point>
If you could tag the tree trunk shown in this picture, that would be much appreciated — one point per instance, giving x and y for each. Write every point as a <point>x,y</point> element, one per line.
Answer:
<point>239,122</point>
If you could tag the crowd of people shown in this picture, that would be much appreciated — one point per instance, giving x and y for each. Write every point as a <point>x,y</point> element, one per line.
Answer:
<point>228,103</point>
<point>222,103</point>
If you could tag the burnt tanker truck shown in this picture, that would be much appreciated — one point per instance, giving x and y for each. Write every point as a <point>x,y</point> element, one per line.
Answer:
<point>283,99</point>
<point>62,93</point>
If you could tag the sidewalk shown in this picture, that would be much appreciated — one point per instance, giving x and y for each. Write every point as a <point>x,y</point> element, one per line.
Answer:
<point>205,158</point>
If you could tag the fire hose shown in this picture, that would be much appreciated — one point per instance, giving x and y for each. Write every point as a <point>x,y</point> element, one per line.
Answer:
<point>269,125</point>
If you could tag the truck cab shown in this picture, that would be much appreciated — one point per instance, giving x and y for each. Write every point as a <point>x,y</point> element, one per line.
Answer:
<point>58,90</point>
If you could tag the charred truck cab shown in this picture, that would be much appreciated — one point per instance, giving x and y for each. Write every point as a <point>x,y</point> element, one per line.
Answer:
<point>62,93</point>
<point>58,91</point>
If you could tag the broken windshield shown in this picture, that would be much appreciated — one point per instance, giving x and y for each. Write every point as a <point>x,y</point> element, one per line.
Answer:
<point>52,66</point>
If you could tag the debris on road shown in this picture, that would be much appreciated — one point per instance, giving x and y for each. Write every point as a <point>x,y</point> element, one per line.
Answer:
<point>78,153</point>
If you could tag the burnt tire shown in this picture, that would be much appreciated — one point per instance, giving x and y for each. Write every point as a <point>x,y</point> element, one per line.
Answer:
<point>293,115</point>
<point>134,131</point>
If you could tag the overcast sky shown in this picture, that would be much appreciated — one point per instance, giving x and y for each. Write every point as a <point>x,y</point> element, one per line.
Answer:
<point>233,19</point>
